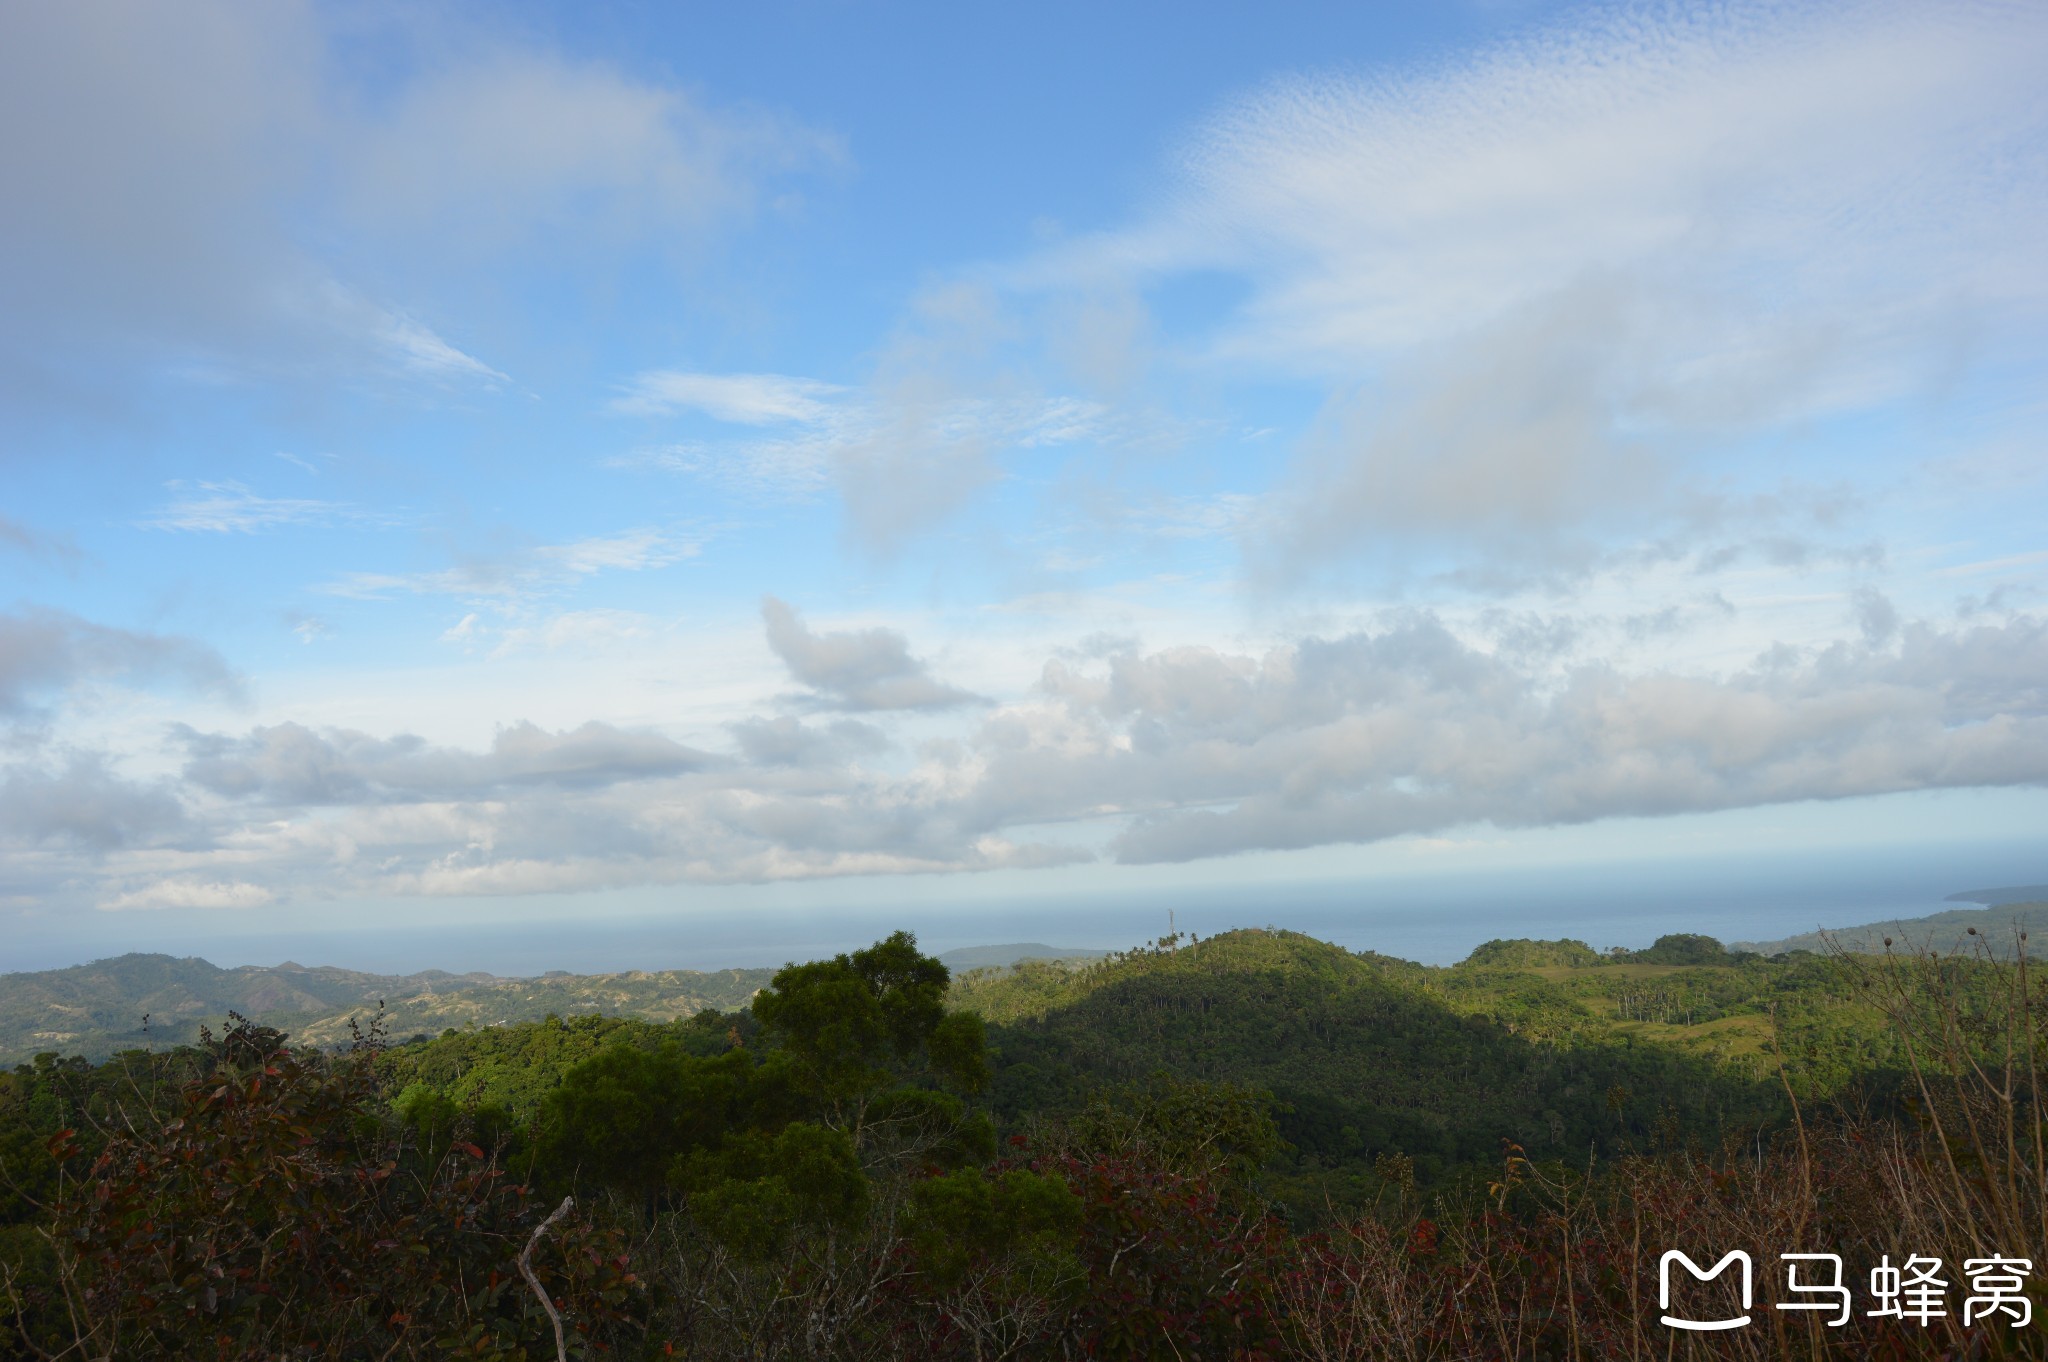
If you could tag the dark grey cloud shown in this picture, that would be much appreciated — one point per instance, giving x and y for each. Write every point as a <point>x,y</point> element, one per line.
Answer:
<point>858,670</point>
<point>291,764</point>
<point>1876,616</point>
<point>787,741</point>
<point>46,651</point>
<point>85,804</point>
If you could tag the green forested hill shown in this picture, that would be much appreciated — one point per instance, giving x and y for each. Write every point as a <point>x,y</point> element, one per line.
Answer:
<point>1367,1056</point>
<point>1374,1056</point>
<point>94,1010</point>
<point>1546,1043</point>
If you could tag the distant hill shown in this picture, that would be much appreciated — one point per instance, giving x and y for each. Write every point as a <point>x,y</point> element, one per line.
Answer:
<point>97,1009</point>
<point>2018,893</point>
<point>992,957</point>
<point>94,1010</point>
<point>659,995</point>
<point>1941,932</point>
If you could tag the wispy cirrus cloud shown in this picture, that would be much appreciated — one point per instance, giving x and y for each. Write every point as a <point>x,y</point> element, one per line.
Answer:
<point>741,399</point>
<point>635,550</point>
<point>230,507</point>
<point>573,631</point>
<point>897,458</point>
<point>536,571</point>
<point>423,352</point>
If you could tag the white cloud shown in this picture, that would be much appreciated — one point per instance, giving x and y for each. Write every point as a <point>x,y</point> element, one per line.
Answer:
<point>1411,730</point>
<point>741,399</point>
<point>191,893</point>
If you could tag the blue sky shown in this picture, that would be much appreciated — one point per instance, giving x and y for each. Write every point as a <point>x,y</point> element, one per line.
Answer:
<point>476,464</point>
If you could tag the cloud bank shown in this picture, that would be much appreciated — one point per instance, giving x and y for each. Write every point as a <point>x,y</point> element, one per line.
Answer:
<point>1167,755</point>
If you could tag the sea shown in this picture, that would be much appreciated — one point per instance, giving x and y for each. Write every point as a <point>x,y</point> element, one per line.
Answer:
<point>1435,918</point>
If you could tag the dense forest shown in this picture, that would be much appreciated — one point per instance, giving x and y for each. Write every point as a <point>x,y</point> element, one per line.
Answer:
<point>1257,1145</point>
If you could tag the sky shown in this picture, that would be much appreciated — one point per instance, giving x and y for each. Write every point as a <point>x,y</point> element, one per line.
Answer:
<point>466,467</point>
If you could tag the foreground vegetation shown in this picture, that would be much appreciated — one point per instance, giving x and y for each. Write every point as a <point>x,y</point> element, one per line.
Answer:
<point>1257,1145</point>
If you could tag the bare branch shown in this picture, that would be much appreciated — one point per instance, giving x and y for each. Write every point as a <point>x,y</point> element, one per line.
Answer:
<point>526,1271</point>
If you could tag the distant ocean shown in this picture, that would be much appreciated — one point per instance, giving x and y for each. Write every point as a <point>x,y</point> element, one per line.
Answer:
<point>1436,919</point>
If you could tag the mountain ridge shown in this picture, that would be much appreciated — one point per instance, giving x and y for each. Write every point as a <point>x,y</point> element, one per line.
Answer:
<point>156,1000</point>
<point>1940,932</point>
